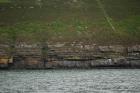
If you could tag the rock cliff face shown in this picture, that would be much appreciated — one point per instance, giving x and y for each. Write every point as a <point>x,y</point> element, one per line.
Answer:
<point>70,55</point>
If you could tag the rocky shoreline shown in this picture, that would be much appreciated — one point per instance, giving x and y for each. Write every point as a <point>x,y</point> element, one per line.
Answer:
<point>70,55</point>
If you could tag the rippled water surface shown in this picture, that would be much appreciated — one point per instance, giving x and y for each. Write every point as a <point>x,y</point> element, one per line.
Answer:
<point>70,81</point>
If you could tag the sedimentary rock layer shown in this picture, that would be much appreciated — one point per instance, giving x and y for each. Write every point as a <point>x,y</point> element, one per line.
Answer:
<point>69,55</point>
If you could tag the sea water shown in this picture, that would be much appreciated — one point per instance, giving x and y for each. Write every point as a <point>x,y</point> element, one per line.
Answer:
<point>70,81</point>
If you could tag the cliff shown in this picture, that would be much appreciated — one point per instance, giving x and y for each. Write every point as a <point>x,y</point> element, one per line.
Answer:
<point>70,55</point>
<point>79,33</point>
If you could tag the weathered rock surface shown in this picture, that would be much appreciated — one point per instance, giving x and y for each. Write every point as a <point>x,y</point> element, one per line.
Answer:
<point>70,55</point>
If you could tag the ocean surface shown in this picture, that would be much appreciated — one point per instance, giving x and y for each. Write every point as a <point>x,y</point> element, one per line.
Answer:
<point>70,81</point>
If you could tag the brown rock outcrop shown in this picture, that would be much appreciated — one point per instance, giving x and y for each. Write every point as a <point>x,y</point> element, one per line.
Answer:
<point>71,56</point>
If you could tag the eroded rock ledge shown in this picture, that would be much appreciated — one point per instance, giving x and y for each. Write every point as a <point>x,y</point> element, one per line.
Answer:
<point>70,55</point>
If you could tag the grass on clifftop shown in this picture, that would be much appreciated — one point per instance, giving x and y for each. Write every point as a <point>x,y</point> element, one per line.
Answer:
<point>70,20</point>
<point>127,31</point>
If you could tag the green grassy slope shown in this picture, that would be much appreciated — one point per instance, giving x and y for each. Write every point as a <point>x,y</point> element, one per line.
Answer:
<point>72,20</point>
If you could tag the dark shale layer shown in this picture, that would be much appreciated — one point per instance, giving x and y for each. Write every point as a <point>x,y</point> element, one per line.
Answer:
<point>70,55</point>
